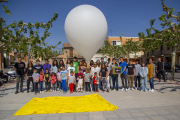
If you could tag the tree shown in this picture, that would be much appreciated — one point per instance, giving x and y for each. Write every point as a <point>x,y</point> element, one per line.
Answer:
<point>168,37</point>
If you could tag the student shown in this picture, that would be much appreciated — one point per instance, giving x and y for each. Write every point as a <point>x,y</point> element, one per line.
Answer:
<point>36,81</point>
<point>160,70</point>
<point>47,80</point>
<point>68,62</point>
<point>102,61</point>
<point>114,76</point>
<point>19,68</point>
<point>75,65</point>
<point>80,66</point>
<point>109,76</point>
<point>91,63</point>
<point>123,64</point>
<point>87,78</point>
<point>84,67</point>
<point>143,73</point>
<point>69,69</point>
<point>80,73</point>
<point>137,76</point>
<point>28,73</point>
<point>41,79</point>
<point>98,63</point>
<point>53,81</point>
<point>54,69</point>
<point>71,81</point>
<point>80,82</point>
<point>103,77</point>
<point>96,82</point>
<point>151,73</point>
<point>64,76</point>
<point>131,72</point>
<point>59,79</point>
<point>38,66</point>
<point>61,64</point>
<point>46,65</point>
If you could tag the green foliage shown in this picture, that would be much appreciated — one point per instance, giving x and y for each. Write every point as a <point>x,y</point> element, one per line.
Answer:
<point>6,10</point>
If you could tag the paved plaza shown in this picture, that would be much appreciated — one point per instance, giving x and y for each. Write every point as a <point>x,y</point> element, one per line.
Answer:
<point>163,104</point>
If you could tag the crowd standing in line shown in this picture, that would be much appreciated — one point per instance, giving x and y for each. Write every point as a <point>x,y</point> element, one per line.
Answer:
<point>78,77</point>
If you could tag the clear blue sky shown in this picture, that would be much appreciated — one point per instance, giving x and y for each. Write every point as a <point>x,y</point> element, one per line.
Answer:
<point>128,17</point>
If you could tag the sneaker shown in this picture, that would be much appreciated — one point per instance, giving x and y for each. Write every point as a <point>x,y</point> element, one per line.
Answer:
<point>152,90</point>
<point>53,90</point>
<point>126,89</point>
<point>122,89</point>
<point>149,90</point>
<point>113,89</point>
<point>132,88</point>
<point>141,90</point>
<point>27,91</point>
<point>108,91</point>
<point>16,92</point>
<point>59,91</point>
<point>135,88</point>
<point>98,91</point>
<point>145,91</point>
<point>44,91</point>
<point>117,89</point>
<point>40,92</point>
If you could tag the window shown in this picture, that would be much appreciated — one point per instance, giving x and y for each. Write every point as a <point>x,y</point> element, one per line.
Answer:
<point>71,52</point>
<point>113,42</point>
<point>168,47</point>
<point>118,43</point>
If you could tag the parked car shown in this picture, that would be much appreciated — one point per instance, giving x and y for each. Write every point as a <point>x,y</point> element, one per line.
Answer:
<point>11,74</point>
<point>167,67</point>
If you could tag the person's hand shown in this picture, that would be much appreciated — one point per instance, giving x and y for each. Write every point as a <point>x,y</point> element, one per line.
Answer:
<point>27,78</point>
<point>60,80</point>
<point>106,78</point>
<point>142,76</point>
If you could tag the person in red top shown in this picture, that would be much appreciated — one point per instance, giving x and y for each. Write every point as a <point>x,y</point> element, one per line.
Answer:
<point>96,82</point>
<point>53,81</point>
<point>41,79</point>
<point>82,76</point>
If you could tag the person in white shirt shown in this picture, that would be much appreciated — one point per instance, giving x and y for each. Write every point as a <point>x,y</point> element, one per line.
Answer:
<point>69,69</point>
<point>80,83</point>
<point>94,69</point>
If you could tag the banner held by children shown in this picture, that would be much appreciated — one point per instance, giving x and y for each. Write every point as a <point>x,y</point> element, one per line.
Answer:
<point>57,104</point>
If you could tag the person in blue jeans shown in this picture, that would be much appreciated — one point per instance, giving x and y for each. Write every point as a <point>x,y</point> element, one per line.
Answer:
<point>59,80</point>
<point>63,78</point>
<point>123,64</point>
<point>143,74</point>
<point>114,76</point>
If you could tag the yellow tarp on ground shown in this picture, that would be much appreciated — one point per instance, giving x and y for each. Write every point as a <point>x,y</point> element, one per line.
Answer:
<point>57,104</point>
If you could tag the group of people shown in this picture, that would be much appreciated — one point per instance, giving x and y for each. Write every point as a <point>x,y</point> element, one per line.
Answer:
<point>78,76</point>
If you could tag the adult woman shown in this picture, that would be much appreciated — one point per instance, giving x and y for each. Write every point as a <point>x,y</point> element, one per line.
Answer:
<point>151,74</point>
<point>80,66</point>
<point>84,67</point>
<point>91,63</point>
<point>67,63</point>
<point>143,74</point>
<point>103,77</point>
<point>61,64</point>
<point>28,74</point>
<point>54,69</point>
<point>109,76</point>
<point>98,63</point>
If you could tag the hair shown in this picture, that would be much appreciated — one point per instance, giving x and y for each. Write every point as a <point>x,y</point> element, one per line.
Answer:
<point>102,66</point>
<point>95,73</point>
<point>52,74</point>
<point>79,64</point>
<point>102,58</point>
<point>67,61</point>
<point>137,60</point>
<point>87,69</point>
<point>109,59</point>
<point>19,57</point>
<point>62,63</point>
<point>37,60</point>
<point>31,64</point>
<point>80,75</point>
<point>85,63</point>
<point>98,64</point>
<point>91,62</point>
<point>35,69</point>
<point>80,69</point>
<point>114,59</point>
<point>46,59</point>
<point>59,69</point>
<point>130,59</point>
<point>121,57</point>
<point>107,64</point>
<point>71,72</point>
<point>143,63</point>
<point>41,71</point>
<point>54,64</point>
<point>75,57</point>
<point>47,69</point>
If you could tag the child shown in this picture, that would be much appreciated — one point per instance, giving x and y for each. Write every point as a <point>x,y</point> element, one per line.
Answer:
<point>58,78</point>
<point>41,78</point>
<point>103,77</point>
<point>63,77</point>
<point>80,83</point>
<point>87,77</point>
<point>47,80</point>
<point>96,82</point>
<point>143,73</point>
<point>36,80</point>
<point>53,81</point>
<point>82,76</point>
<point>71,81</point>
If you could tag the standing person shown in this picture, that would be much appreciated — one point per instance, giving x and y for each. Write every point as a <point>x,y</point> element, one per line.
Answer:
<point>53,81</point>
<point>103,77</point>
<point>131,72</point>
<point>82,75</point>
<point>81,66</point>
<point>36,81</point>
<point>114,76</point>
<point>91,63</point>
<point>85,67</point>
<point>80,82</point>
<point>64,76</point>
<point>87,78</point>
<point>71,81</point>
<point>123,64</point>
<point>102,61</point>
<point>110,78</point>
<point>75,65</point>
<point>19,68</point>
<point>137,76</point>
<point>98,63</point>
<point>28,73</point>
<point>94,69</point>
<point>59,79</point>
<point>38,66</point>
<point>68,62</point>
<point>54,69</point>
<point>151,73</point>
<point>47,80</point>
<point>96,82</point>
<point>41,79</point>
<point>160,70</point>
<point>143,73</point>
<point>46,65</point>
<point>71,68</point>
<point>61,64</point>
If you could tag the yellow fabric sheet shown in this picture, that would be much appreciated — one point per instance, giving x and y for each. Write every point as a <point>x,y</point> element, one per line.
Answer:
<point>57,104</point>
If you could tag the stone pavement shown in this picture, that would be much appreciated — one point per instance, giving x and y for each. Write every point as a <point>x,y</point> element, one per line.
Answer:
<point>163,104</point>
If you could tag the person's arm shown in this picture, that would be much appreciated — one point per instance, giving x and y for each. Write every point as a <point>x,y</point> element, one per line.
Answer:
<point>107,74</point>
<point>51,69</point>
<point>134,69</point>
<point>100,74</point>
<point>146,71</point>
<point>140,73</point>
<point>78,69</point>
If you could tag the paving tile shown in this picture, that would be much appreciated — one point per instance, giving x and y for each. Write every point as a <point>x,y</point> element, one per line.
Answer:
<point>138,114</point>
<point>95,113</point>
<point>158,118</point>
<point>108,112</point>
<point>151,113</point>
<point>134,110</point>
<point>172,117</point>
<point>97,117</point>
<point>82,113</point>
<point>67,117</point>
<point>82,117</point>
<point>143,118</point>
<point>121,111</point>
<point>38,118</point>
<point>124,115</point>
<point>111,116</point>
<point>164,112</point>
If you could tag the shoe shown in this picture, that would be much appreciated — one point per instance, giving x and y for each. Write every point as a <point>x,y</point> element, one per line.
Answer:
<point>16,92</point>
<point>81,91</point>
<point>132,89</point>
<point>145,91</point>
<point>53,90</point>
<point>108,91</point>
<point>165,81</point>
<point>59,91</point>
<point>135,88</point>
<point>149,90</point>
<point>152,90</point>
<point>44,91</point>
<point>40,92</point>
<point>27,91</point>
<point>126,89</point>
<point>113,89</point>
<point>22,91</point>
<point>122,89</point>
<point>98,91</point>
<point>117,89</point>
<point>141,90</point>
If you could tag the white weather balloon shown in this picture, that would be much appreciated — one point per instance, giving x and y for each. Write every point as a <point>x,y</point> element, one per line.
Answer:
<point>86,29</point>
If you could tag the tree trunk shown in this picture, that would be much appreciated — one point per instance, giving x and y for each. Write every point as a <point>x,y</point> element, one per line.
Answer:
<point>173,64</point>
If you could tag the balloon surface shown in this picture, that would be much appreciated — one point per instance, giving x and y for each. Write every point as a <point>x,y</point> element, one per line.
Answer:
<point>86,30</point>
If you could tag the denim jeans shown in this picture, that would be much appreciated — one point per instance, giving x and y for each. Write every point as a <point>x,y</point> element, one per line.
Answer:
<point>19,79</point>
<point>35,87</point>
<point>92,84</point>
<point>40,85</point>
<point>115,79</point>
<point>144,83</point>
<point>151,83</point>
<point>60,85</point>
<point>64,85</point>
<point>100,84</point>
<point>28,83</point>
<point>124,80</point>
<point>110,81</point>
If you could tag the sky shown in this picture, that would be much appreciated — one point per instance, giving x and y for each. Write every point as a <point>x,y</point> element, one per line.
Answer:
<point>128,17</point>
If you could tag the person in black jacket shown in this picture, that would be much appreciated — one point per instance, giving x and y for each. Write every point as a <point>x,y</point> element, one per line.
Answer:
<point>28,73</point>
<point>160,69</point>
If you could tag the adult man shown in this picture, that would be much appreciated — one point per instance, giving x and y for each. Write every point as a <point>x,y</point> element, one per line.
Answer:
<point>123,64</point>
<point>46,65</point>
<point>160,69</point>
<point>75,65</point>
<point>19,68</point>
<point>114,76</point>
<point>38,66</point>
<point>102,61</point>
<point>131,72</point>
<point>137,75</point>
<point>151,73</point>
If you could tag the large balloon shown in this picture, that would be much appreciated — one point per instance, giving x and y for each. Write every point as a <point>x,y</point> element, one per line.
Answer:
<point>86,29</point>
